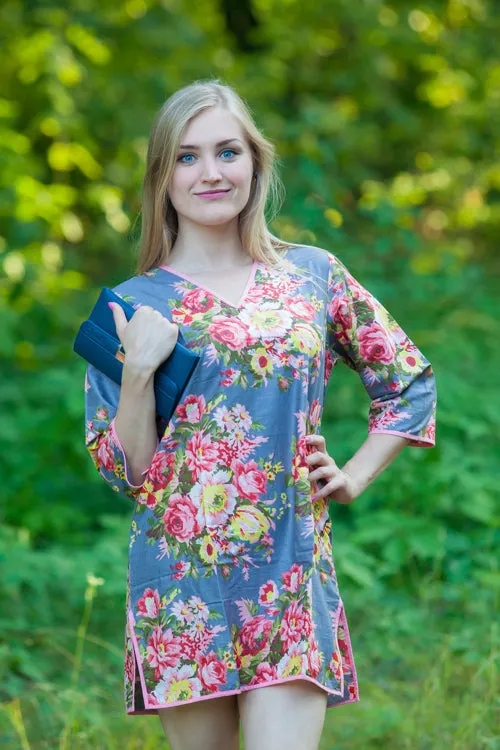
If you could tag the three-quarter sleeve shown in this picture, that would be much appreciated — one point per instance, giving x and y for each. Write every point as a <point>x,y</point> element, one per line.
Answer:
<point>396,375</point>
<point>101,403</point>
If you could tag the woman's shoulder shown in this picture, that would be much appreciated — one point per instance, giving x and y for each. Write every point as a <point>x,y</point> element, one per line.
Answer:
<point>140,287</point>
<point>314,258</point>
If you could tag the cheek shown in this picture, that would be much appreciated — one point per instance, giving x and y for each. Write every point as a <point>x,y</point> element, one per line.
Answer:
<point>241,172</point>
<point>180,181</point>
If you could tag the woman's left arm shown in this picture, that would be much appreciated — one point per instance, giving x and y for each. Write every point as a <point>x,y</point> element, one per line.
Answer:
<point>343,485</point>
<point>396,375</point>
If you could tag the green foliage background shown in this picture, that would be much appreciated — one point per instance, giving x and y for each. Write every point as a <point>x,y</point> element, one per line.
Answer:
<point>385,117</point>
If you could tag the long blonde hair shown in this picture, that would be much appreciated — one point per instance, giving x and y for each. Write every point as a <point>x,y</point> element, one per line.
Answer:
<point>159,218</point>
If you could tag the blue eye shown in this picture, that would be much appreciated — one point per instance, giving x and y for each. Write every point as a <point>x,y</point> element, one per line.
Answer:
<point>229,151</point>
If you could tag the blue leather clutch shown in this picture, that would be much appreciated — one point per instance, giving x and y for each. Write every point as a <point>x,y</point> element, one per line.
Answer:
<point>98,343</point>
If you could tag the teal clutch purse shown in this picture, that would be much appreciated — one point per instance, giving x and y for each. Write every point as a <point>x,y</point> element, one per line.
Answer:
<point>98,343</point>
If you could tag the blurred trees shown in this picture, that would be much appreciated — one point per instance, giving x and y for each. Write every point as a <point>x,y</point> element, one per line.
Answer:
<point>385,117</point>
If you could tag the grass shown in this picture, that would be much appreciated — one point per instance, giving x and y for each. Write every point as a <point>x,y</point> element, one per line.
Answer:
<point>436,699</point>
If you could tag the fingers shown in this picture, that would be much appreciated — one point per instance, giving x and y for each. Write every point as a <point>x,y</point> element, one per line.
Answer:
<point>119,318</point>
<point>318,441</point>
<point>336,483</point>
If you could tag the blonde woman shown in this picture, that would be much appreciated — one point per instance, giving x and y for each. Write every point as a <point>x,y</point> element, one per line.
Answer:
<point>233,614</point>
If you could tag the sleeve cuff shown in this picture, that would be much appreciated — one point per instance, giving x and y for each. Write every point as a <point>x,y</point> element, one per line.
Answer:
<point>416,441</point>
<point>117,443</point>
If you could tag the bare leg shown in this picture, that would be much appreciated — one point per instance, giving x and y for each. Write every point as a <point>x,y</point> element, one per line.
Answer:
<point>211,724</point>
<point>288,716</point>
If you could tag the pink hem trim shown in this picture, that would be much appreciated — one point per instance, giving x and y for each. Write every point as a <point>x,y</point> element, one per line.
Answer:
<point>336,642</point>
<point>116,441</point>
<point>416,442</point>
<point>206,289</point>
<point>135,646</point>
<point>128,634</point>
<point>343,617</point>
<point>153,709</point>
<point>244,689</point>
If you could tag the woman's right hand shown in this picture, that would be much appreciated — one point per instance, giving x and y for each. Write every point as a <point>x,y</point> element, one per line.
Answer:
<point>148,338</point>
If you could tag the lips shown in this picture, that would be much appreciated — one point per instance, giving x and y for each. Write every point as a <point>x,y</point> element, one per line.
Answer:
<point>213,192</point>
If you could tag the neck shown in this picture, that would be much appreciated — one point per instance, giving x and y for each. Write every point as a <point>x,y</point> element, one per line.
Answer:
<point>208,247</point>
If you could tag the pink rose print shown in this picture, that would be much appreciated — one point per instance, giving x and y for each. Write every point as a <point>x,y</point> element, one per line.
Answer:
<point>149,604</point>
<point>300,307</point>
<point>164,650</point>
<point>243,448</point>
<point>340,312</point>
<point>296,625</point>
<point>375,344</point>
<point>314,658</point>
<point>293,578</point>
<point>198,300</point>
<point>268,593</point>
<point>265,672</point>
<point>231,332</point>
<point>162,470</point>
<point>105,455</point>
<point>191,409</point>
<point>254,634</point>
<point>181,519</point>
<point>315,413</point>
<point>212,671</point>
<point>201,453</point>
<point>250,481</point>
<point>195,642</point>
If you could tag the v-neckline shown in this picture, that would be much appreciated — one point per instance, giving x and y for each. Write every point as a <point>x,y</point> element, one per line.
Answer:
<point>217,296</point>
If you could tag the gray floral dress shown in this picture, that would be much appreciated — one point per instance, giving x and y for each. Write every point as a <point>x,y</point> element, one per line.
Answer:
<point>231,581</point>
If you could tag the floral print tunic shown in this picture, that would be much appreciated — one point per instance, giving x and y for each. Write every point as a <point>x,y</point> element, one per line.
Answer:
<point>231,582</point>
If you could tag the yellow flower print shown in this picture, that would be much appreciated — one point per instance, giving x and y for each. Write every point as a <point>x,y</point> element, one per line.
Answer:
<point>249,524</point>
<point>208,550</point>
<point>261,362</point>
<point>305,339</point>
<point>293,667</point>
<point>411,362</point>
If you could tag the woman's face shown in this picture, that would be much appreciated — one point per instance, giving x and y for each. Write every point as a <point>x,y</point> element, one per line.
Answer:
<point>213,156</point>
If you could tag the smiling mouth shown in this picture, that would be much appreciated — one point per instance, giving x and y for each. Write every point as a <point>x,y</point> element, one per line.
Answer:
<point>213,192</point>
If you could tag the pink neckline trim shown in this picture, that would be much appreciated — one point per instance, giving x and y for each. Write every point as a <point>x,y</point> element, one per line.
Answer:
<point>210,291</point>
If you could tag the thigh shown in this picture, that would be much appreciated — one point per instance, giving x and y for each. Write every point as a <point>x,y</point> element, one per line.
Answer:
<point>211,724</point>
<point>289,715</point>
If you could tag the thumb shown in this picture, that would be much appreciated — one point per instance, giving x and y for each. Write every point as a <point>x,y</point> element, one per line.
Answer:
<point>119,318</point>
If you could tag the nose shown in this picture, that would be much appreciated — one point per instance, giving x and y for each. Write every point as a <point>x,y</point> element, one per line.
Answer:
<point>210,171</point>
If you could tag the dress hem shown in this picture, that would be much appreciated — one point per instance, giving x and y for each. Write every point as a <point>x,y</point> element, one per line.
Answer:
<point>153,710</point>
<point>221,693</point>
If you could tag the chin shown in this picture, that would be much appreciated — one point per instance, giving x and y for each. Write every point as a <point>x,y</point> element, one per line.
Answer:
<point>213,218</point>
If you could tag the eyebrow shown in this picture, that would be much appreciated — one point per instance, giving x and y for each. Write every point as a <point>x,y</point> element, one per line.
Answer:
<point>220,143</point>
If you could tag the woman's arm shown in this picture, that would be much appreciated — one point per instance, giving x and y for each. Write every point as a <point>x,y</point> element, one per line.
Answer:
<point>134,424</point>
<point>121,432</point>
<point>345,484</point>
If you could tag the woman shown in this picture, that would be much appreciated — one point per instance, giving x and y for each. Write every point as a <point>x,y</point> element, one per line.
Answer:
<point>233,608</point>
